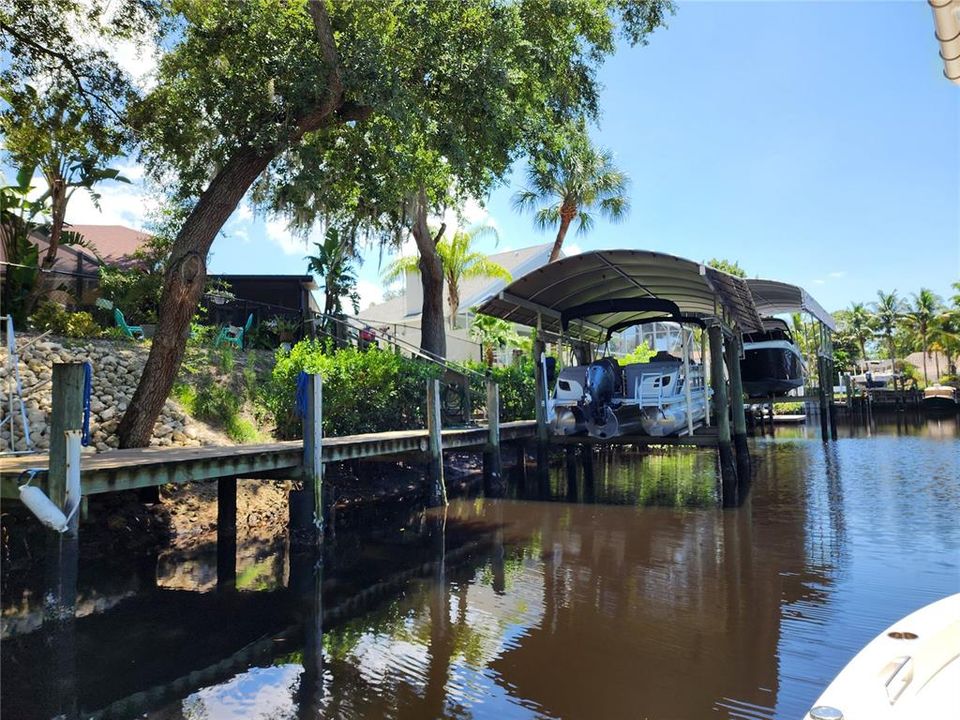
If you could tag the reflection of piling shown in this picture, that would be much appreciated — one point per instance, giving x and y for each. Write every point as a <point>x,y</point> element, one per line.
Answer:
<point>438,489</point>
<point>728,470</point>
<point>570,462</point>
<point>493,485</point>
<point>226,533</point>
<point>306,504</point>
<point>739,414</point>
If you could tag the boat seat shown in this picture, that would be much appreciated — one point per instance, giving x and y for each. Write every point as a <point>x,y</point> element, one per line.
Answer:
<point>633,372</point>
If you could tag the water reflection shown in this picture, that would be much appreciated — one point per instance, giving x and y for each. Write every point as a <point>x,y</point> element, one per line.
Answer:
<point>642,599</point>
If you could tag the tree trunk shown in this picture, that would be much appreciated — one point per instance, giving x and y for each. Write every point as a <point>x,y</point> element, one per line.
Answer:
<point>453,299</point>
<point>567,214</point>
<point>183,285</point>
<point>923,341</point>
<point>46,281</point>
<point>433,336</point>
<point>187,266</point>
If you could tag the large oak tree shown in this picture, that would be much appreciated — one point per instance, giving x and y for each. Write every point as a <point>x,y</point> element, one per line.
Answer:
<point>392,109</point>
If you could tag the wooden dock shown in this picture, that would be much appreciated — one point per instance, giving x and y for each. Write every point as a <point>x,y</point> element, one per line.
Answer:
<point>150,467</point>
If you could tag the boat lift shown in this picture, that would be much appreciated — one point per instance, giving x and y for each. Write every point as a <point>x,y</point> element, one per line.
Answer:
<point>586,298</point>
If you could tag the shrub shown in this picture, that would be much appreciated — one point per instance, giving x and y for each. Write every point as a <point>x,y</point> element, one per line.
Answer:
<point>363,392</point>
<point>517,388</point>
<point>53,316</point>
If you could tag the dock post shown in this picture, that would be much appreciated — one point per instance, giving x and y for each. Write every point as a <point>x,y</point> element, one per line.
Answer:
<point>438,489</point>
<point>62,551</point>
<point>306,505</point>
<point>543,432</point>
<point>728,470</point>
<point>739,414</point>
<point>831,398</point>
<point>492,461</point>
<point>226,533</point>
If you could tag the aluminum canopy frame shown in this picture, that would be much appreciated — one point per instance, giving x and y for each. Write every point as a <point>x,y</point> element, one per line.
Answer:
<point>771,297</point>
<point>601,278</point>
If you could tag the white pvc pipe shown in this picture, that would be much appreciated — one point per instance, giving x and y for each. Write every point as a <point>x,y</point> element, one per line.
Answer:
<point>43,507</point>
<point>74,491</point>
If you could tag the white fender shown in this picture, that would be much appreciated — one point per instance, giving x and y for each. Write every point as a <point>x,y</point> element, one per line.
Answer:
<point>43,507</point>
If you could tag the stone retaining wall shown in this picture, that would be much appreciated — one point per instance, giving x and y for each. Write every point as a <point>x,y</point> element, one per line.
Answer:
<point>117,366</point>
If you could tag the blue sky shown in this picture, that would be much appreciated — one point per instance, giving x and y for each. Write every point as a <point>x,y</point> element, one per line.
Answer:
<point>816,143</point>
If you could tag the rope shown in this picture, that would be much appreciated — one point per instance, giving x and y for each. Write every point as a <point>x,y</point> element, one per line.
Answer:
<point>303,387</point>
<point>87,392</point>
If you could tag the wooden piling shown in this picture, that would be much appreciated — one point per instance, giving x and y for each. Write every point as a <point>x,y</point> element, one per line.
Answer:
<point>728,470</point>
<point>739,414</point>
<point>306,504</point>
<point>66,415</point>
<point>543,431</point>
<point>492,461</point>
<point>438,489</point>
<point>831,398</point>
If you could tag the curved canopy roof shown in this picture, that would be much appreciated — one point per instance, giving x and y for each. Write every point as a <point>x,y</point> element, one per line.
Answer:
<point>771,297</point>
<point>598,292</point>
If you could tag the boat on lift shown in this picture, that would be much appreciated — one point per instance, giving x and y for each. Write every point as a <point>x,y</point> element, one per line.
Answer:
<point>876,374</point>
<point>772,364</point>
<point>940,398</point>
<point>911,670</point>
<point>663,396</point>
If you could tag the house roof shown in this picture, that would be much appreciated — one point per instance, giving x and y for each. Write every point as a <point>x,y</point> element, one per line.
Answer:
<point>473,291</point>
<point>114,243</point>
<point>605,290</point>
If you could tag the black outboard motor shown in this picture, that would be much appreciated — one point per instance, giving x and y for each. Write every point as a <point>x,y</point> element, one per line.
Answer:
<point>601,385</point>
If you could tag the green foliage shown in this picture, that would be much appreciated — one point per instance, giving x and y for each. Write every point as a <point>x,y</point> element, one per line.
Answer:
<point>186,395</point>
<point>201,335</point>
<point>568,181</point>
<point>225,358</point>
<point>640,354</point>
<point>459,261</point>
<point>54,317</point>
<point>517,385</point>
<point>788,407</point>
<point>731,268</point>
<point>18,213</point>
<point>492,333</point>
<point>333,264</point>
<point>370,391</point>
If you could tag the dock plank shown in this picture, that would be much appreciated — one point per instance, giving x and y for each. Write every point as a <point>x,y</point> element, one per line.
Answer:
<point>149,467</point>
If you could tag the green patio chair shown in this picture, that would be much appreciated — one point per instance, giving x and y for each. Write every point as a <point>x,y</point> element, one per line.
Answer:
<point>131,331</point>
<point>233,334</point>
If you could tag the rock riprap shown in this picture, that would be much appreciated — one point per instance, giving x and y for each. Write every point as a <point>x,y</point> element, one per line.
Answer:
<point>117,367</point>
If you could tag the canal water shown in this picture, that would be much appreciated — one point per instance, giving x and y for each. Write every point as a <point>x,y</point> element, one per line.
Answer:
<point>625,593</point>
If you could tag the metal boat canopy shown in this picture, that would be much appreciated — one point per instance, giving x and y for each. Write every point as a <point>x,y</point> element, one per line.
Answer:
<point>771,297</point>
<point>596,293</point>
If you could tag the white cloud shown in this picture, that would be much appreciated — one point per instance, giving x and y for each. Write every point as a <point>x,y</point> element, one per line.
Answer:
<point>818,281</point>
<point>120,204</point>
<point>279,234</point>
<point>838,274</point>
<point>572,249</point>
<point>244,212</point>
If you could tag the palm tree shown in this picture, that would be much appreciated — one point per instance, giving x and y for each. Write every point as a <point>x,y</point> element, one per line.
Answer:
<point>333,264</point>
<point>568,184</point>
<point>920,317</point>
<point>888,312</point>
<point>460,262</point>
<point>492,333</point>
<point>861,327</point>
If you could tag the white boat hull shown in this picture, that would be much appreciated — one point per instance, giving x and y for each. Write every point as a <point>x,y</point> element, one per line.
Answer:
<point>911,670</point>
